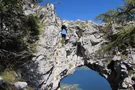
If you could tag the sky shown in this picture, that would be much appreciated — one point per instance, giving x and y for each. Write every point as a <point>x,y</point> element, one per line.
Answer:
<point>82,9</point>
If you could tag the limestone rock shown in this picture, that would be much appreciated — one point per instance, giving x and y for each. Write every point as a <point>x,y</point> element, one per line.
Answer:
<point>54,60</point>
<point>28,12</point>
<point>20,85</point>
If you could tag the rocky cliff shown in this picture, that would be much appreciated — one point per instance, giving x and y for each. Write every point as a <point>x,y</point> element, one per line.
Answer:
<point>55,59</point>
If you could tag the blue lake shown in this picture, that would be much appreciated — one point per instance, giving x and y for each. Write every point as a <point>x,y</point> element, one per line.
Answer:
<point>87,80</point>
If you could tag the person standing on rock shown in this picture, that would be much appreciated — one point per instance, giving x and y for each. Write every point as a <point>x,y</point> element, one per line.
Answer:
<point>65,36</point>
<point>63,31</point>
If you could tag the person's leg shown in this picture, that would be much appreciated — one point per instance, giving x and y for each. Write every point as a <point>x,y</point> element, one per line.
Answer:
<point>65,36</point>
<point>62,35</point>
<point>63,39</point>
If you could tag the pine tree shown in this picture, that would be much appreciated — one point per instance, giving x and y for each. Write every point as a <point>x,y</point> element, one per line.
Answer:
<point>121,16</point>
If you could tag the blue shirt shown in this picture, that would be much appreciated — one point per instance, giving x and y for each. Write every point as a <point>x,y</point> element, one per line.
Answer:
<point>64,31</point>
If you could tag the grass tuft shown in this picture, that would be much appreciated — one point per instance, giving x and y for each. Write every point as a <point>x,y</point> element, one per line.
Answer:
<point>8,76</point>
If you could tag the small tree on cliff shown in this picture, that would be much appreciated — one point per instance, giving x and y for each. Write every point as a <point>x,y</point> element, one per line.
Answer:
<point>122,14</point>
<point>125,38</point>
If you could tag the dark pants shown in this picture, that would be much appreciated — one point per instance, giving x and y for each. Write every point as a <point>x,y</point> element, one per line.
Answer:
<point>63,36</point>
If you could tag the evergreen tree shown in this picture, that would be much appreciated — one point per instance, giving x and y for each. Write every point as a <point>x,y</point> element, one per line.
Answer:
<point>121,16</point>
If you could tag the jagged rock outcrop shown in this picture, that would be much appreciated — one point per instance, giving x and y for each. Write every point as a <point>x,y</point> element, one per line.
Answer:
<point>53,59</point>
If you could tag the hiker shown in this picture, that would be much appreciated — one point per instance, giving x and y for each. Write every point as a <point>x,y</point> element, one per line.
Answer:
<point>64,31</point>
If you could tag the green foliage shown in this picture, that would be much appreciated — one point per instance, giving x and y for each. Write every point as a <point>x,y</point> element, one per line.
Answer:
<point>79,33</point>
<point>41,25</point>
<point>84,26</point>
<point>70,66</point>
<point>10,5</point>
<point>57,77</point>
<point>122,14</point>
<point>132,2</point>
<point>8,76</point>
<point>32,28</point>
<point>62,41</point>
<point>107,17</point>
<point>17,33</point>
<point>125,39</point>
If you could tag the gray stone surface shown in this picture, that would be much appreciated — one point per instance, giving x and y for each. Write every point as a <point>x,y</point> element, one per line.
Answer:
<point>54,60</point>
<point>20,85</point>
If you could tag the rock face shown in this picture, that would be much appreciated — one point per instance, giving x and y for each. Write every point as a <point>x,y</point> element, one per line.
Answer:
<point>20,85</point>
<point>55,59</point>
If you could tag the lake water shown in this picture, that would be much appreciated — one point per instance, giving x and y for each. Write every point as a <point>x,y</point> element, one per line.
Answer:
<point>87,80</point>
